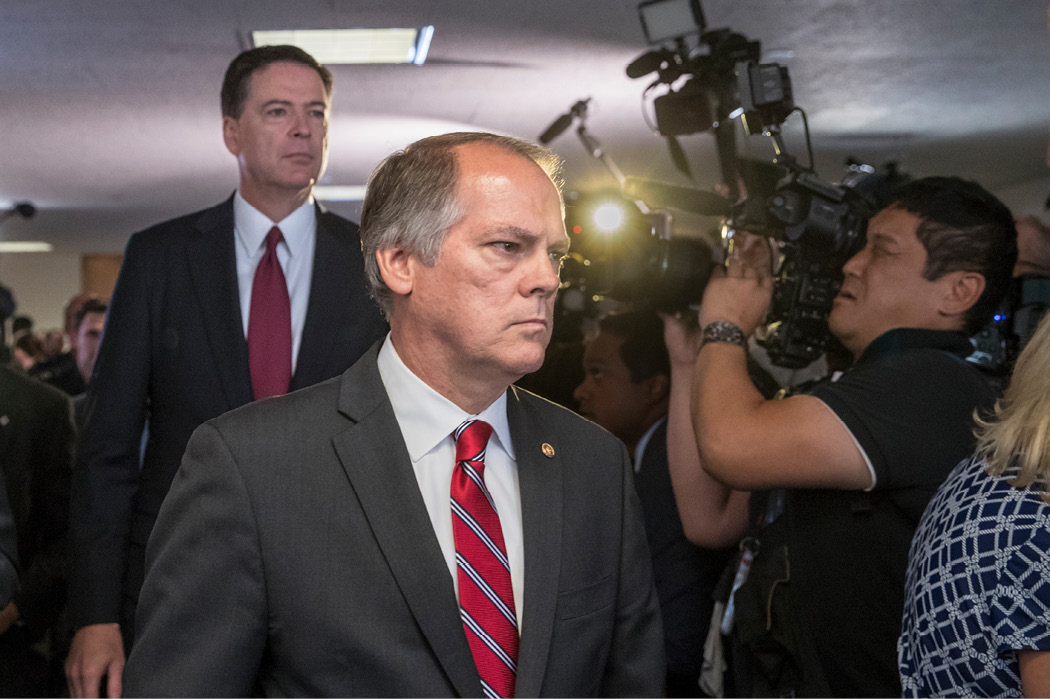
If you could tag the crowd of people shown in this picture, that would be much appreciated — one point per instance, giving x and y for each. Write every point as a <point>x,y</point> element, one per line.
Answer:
<point>292,455</point>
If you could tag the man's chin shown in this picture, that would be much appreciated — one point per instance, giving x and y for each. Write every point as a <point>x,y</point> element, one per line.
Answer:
<point>532,361</point>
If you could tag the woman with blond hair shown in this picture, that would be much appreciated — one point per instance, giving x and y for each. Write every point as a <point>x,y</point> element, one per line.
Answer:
<point>977,610</point>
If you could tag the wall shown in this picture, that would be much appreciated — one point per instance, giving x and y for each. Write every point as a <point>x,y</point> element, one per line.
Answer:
<point>41,283</point>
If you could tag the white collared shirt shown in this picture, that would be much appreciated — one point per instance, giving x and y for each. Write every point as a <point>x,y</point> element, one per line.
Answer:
<point>639,449</point>
<point>296,255</point>
<point>427,420</point>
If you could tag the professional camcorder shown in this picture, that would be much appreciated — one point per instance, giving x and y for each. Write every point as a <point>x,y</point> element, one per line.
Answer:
<point>818,225</point>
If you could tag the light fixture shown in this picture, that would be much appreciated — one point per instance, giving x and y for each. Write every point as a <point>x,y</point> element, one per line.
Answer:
<point>25,246</point>
<point>334,46</point>
<point>354,192</point>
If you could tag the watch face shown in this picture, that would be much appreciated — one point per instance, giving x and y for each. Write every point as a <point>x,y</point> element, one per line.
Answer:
<point>724,332</point>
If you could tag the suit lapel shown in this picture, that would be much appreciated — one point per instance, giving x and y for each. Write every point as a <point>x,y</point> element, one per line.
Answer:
<point>375,459</point>
<point>328,309</point>
<point>213,267</point>
<point>540,480</point>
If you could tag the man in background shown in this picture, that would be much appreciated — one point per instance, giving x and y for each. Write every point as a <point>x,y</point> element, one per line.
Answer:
<point>36,458</point>
<point>626,388</point>
<point>257,296</point>
<point>90,320</point>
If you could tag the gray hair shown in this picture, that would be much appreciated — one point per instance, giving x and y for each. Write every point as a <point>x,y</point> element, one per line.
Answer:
<point>411,202</point>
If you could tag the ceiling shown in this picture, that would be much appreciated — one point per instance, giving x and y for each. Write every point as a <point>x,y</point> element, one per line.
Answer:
<point>110,116</point>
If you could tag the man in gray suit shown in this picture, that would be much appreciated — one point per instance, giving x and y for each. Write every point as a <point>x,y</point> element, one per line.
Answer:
<point>323,543</point>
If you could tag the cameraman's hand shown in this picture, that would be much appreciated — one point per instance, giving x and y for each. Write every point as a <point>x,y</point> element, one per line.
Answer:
<point>682,343</point>
<point>742,293</point>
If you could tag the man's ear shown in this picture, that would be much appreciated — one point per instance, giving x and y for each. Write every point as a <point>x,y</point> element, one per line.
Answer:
<point>657,388</point>
<point>396,268</point>
<point>231,134</point>
<point>962,291</point>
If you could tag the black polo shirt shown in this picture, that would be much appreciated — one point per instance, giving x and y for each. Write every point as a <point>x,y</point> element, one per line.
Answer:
<point>909,402</point>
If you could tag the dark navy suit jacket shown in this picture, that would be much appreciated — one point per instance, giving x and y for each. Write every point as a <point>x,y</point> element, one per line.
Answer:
<point>173,355</point>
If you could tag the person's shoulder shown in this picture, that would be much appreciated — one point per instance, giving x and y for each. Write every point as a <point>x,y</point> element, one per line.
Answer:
<point>28,391</point>
<point>335,223</point>
<point>281,416</point>
<point>181,227</point>
<point>561,420</point>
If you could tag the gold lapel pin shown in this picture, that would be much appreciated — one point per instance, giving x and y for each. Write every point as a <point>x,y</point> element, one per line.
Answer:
<point>548,450</point>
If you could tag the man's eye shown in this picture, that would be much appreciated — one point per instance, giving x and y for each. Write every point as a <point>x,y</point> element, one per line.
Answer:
<point>507,246</point>
<point>276,112</point>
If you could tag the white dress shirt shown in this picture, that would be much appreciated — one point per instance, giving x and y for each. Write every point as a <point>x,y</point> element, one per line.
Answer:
<point>296,255</point>
<point>639,449</point>
<point>427,420</point>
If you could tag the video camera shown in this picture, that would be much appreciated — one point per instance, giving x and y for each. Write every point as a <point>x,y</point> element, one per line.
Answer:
<point>818,225</point>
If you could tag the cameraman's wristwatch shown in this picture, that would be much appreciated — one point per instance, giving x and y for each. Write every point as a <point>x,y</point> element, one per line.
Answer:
<point>724,332</point>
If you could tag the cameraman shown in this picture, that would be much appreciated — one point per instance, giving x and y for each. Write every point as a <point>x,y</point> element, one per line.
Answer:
<point>850,466</point>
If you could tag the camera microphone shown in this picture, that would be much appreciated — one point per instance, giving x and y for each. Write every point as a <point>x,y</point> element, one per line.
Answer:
<point>648,62</point>
<point>559,125</point>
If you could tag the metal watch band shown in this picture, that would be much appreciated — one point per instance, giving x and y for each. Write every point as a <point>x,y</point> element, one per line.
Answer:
<point>724,332</point>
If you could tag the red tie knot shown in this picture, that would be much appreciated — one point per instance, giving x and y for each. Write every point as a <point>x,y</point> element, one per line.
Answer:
<point>471,438</point>
<point>272,239</point>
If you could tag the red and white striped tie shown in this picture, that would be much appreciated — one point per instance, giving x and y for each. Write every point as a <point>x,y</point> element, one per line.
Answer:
<point>486,598</point>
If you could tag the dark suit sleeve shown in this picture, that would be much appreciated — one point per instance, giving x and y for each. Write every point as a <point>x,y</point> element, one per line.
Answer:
<point>43,592</point>
<point>201,623</point>
<point>636,666</point>
<point>106,477</point>
<point>8,547</point>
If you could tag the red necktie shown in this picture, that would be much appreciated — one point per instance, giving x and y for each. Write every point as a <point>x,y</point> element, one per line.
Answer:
<point>486,599</point>
<point>270,325</point>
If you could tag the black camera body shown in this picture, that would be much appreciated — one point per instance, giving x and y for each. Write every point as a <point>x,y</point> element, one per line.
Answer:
<point>996,345</point>
<point>819,226</point>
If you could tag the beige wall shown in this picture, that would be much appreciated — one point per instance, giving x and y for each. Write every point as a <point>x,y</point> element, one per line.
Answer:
<point>41,282</point>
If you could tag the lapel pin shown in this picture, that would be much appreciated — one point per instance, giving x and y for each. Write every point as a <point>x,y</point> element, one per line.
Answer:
<point>548,450</point>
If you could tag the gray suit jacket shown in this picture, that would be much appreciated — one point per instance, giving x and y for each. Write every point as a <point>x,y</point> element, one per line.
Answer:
<point>294,556</point>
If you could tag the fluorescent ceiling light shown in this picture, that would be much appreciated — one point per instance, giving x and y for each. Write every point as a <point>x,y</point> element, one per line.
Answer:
<point>25,246</point>
<point>331,46</point>
<point>340,193</point>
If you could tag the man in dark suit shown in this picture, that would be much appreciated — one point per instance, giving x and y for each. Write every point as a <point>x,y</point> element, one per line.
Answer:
<point>36,459</point>
<point>626,389</point>
<point>259,295</point>
<point>414,528</point>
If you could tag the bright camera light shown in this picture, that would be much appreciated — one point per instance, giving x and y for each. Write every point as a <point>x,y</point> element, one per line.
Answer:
<point>609,217</point>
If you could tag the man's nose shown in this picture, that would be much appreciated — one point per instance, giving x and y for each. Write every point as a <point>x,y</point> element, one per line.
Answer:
<point>301,124</point>
<point>854,264</point>
<point>543,275</point>
<point>579,393</point>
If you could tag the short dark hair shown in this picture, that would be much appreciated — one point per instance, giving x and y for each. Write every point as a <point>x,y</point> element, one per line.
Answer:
<point>90,306</point>
<point>643,350</point>
<point>237,81</point>
<point>963,228</point>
